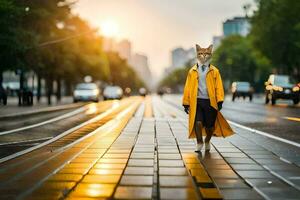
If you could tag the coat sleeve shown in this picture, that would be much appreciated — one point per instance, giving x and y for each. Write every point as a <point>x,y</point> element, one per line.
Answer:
<point>219,88</point>
<point>186,91</point>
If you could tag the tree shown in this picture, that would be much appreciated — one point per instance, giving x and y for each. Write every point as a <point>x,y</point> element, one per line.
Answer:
<point>122,74</point>
<point>275,32</point>
<point>13,39</point>
<point>237,60</point>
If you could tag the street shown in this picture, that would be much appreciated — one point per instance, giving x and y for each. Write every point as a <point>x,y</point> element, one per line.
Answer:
<point>137,148</point>
<point>281,120</point>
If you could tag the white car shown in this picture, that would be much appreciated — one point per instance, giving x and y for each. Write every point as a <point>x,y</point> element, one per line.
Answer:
<point>112,92</point>
<point>86,92</point>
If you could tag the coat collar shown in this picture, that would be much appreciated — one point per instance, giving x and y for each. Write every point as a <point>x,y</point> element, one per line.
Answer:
<point>195,68</point>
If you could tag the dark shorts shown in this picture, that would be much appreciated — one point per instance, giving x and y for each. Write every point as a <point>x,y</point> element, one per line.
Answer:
<point>205,113</point>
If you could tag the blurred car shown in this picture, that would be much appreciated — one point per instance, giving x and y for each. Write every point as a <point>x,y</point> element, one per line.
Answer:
<point>143,91</point>
<point>280,87</point>
<point>160,92</point>
<point>86,92</point>
<point>112,92</point>
<point>241,89</point>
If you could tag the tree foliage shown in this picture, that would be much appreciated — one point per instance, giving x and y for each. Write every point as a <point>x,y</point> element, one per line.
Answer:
<point>122,74</point>
<point>237,60</point>
<point>276,33</point>
<point>46,37</point>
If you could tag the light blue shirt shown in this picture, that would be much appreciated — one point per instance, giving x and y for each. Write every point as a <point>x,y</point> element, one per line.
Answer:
<point>202,88</point>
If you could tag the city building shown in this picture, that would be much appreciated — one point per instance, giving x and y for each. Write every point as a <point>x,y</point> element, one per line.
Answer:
<point>124,49</point>
<point>217,41</point>
<point>180,57</point>
<point>237,25</point>
<point>139,63</point>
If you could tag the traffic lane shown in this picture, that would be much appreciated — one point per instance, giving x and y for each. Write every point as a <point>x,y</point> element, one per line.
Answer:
<point>15,142</point>
<point>279,120</point>
<point>18,122</point>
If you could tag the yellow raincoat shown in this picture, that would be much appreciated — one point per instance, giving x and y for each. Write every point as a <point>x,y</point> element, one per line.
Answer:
<point>216,94</point>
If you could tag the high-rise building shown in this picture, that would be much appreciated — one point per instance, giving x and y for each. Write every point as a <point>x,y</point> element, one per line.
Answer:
<point>237,25</point>
<point>109,44</point>
<point>217,41</point>
<point>180,56</point>
<point>139,63</point>
<point>124,49</point>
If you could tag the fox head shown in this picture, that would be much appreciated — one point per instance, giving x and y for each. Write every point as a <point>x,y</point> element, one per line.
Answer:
<point>204,54</point>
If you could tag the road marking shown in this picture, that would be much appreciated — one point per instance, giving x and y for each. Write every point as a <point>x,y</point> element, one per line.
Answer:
<point>97,118</point>
<point>264,134</point>
<point>26,141</point>
<point>254,130</point>
<point>75,112</point>
<point>292,118</point>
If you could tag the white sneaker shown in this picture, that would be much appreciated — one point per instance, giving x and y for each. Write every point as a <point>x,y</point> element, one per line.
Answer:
<point>199,147</point>
<point>207,146</point>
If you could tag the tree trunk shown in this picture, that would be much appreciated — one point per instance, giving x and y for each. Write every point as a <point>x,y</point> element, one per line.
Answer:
<point>1,78</point>
<point>49,89</point>
<point>39,87</point>
<point>21,90</point>
<point>58,90</point>
<point>68,88</point>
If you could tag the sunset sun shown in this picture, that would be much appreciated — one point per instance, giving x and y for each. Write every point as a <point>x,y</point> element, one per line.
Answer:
<point>109,28</point>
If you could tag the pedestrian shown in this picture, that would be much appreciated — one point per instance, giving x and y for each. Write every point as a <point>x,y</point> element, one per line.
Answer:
<point>203,97</point>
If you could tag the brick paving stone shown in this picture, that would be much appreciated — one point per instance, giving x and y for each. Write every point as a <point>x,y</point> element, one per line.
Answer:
<point>255,174</point>
<point>280,192</point>
<point>141,162</point>
<point>220,173</point>
<point>92,190</point>
<point>93,178</point>
<point>142,155</point>
<point>129,192</point>
<point>175,181</point>
<point>139,171</point>
<point>230,183</point>
<point>234,155</point>
<point>178,193</point>
<point>169,156</point>
<point>111,161</point>
<point>240,194</point>
<point>106,171</point>
<point>247,167</point>
<point>110,166</point>
<point>173,171</point>
<point>137,180</point>
<point>170,163</point>
<point>240,161</point>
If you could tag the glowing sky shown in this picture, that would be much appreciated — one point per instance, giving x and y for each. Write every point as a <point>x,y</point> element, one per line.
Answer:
<point>156,26</point>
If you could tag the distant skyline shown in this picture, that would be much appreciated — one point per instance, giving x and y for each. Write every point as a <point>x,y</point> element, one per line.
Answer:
<point>155,27</point>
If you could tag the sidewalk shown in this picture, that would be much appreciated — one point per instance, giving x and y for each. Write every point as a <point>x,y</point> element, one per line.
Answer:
<point>151,158</point>
<point>12,107</point>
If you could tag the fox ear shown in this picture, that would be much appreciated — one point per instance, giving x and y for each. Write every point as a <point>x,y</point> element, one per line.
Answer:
<point>210,48</point>
<point>198,47</point>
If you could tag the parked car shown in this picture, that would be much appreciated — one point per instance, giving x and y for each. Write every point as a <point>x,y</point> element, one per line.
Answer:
<point>241,89</point>
<point>280,87</point>
<point>86,92</point>
<point>112,92</point>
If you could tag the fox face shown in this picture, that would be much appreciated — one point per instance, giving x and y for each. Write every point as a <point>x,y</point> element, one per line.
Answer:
<point>204,54</point>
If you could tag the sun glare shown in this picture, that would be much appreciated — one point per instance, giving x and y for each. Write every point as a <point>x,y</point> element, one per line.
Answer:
<point>109,28</point>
